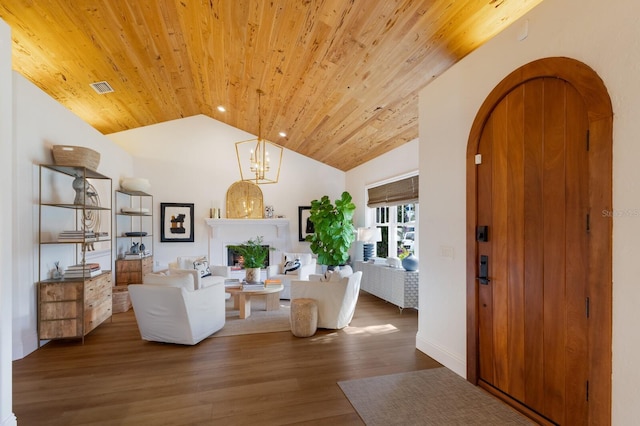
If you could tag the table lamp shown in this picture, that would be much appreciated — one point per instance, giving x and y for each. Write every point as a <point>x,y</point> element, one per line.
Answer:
<point>368,236</point>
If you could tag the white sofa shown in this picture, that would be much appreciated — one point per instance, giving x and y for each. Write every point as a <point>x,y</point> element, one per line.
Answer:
<point>203,273</point>
<point>169,309</point>
<point>336,298</point>
<point>277,272</point>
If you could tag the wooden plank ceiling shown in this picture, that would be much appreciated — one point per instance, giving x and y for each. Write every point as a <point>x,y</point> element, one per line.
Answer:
<point>340,77</point>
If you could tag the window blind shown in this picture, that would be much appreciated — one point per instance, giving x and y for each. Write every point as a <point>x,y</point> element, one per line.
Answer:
<point>403,191</point>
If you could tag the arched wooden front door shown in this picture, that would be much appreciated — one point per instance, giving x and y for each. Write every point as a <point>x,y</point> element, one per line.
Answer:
<point>539,247</point>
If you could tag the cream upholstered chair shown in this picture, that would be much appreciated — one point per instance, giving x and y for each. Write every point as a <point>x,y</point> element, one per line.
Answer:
<point>282,272</point>
<point>336,298</point>
<point>169,309</point>
<point>204,274</point>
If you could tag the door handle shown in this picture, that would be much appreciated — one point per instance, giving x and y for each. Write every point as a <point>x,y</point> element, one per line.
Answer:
<point>483,276</point>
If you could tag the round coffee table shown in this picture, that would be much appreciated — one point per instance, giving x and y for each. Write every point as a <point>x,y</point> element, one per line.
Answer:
<point>242,298</point>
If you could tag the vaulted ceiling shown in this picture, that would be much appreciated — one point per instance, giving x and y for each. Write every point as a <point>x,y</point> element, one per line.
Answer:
<point>340,77</point>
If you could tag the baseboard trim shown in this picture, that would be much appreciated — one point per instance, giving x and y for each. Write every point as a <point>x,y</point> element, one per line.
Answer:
<point>450,360</point>
<point>10,420</point>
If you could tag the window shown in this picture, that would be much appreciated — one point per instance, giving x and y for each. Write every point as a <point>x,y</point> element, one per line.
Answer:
<point>397,225</point>
<point>395,205</point>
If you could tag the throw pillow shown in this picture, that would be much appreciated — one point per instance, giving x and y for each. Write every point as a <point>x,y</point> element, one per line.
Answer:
<point>202,266</point>
<point>186,262</point>
<point>291,266</point>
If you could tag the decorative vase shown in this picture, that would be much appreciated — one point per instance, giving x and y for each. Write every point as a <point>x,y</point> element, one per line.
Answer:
<point>410,263</point>
<point>252,275</point>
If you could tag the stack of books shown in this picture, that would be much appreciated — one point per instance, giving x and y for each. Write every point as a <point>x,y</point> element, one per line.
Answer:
<point>87,270</point>
<point>252,286</point>
<point>134,256</point>
<point>77,236</point>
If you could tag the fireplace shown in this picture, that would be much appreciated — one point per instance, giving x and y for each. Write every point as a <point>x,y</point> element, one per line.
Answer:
<point>236,261</point>
<point>227,232</point>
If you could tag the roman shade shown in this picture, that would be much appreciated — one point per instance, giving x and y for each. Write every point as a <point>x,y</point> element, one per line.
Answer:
<point>403,191</point>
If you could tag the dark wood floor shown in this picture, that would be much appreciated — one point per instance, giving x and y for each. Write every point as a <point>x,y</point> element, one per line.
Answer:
<point>115,378</point>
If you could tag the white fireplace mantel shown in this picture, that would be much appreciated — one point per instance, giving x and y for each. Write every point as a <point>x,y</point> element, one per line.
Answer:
<point>282,225</point>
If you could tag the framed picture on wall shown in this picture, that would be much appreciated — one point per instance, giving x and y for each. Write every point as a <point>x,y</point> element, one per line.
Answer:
<point>305,226</point>
<point>176,222</point>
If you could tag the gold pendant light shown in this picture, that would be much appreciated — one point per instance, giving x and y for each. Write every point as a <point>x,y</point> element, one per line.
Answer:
<point>258,159</point>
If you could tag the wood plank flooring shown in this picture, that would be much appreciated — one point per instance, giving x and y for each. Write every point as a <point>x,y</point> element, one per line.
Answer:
<point>115,378</point>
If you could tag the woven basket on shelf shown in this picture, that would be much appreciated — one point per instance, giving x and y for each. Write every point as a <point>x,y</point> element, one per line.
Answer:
<point>120,299</point>
<point>76,156</point>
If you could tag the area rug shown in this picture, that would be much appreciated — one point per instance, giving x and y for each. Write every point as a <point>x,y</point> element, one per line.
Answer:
<point>427,397</point>
<point>260,320</point>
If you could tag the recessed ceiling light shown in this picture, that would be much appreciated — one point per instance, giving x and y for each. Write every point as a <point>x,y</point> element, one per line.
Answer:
<point>221,108</point>
<point>283,134</point>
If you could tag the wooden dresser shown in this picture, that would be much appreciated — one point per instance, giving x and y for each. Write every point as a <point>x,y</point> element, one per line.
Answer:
<point>132,271</point>
<point>72,308</point>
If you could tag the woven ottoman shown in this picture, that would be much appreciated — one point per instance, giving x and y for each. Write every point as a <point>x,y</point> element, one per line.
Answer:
<point>120,299</point>
<point>304,317</point>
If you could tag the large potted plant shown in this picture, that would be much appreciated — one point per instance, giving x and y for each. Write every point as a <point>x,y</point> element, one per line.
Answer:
<point>333,229</point>
<point>254,254</point>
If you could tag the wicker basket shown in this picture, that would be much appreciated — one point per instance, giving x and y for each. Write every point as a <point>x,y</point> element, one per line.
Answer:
<point>75,156</point>
<point>121,300</point>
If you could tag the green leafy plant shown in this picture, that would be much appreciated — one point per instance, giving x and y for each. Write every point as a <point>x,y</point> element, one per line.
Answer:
<point>253,252</point>
<point>334,231</point>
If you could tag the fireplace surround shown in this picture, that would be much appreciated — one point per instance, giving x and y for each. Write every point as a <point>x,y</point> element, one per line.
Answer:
<point>224,232</point>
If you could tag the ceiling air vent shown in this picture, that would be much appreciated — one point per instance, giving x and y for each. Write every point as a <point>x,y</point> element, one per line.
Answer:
<point>102,87</point>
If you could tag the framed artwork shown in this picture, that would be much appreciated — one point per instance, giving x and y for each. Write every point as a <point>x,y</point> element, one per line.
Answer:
<point>305,226</point>
<point>176,223</point>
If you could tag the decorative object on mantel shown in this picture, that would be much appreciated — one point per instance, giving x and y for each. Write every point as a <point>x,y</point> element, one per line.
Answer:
<point>75,156</point>
<point>410,263</point>
<point>333,229</point>
<point>254,159</point>
<point>244,201</point>
<point>254,255</point>
<point>369,236</point>
<point>268,212</point>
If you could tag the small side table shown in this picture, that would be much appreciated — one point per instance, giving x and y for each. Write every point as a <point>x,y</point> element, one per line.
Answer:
<point>304,317</point>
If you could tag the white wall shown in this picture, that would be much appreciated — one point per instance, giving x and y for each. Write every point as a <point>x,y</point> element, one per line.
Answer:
<point>604,35</point>
<point>401,161</point>
<point>7,235</point>
<point>193,160</point>
<point>40,122</point>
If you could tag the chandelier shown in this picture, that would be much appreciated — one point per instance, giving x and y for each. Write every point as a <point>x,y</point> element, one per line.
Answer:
<point>258,159</point>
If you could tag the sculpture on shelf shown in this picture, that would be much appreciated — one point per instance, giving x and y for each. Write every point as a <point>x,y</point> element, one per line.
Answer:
<point>81,186</point>
<point>87,196</point>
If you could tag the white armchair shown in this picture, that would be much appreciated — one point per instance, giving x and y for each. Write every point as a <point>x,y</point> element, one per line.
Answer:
<point>204,274</point>
<point>168,309</point>
<point>278,272</point>
<point>336,298</point>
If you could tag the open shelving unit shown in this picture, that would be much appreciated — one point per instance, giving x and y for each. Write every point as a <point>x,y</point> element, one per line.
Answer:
<point>133,224</point>
<point>73,232</point>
